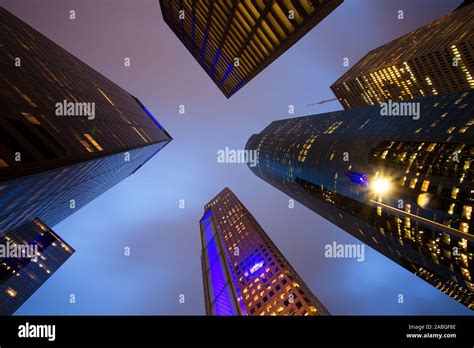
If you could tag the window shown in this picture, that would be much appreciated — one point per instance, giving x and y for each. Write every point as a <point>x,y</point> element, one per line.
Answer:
<point>425,185</point>
<point>93,142</point>
<point>11,292</point>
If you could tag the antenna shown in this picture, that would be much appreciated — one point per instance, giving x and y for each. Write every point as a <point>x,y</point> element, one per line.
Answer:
<point>322,101</point>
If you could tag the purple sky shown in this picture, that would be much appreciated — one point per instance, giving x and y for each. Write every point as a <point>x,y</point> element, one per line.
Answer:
<point>142,212</point>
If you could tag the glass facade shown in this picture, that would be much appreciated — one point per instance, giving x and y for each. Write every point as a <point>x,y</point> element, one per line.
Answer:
<point>244,272</point>
<point>55,194</point>
<point>435,59</point>
<point>403,186</point>
<point>67,135</point>
<point>53,162</point>
<point>20,277</point>
<point>235,40</point>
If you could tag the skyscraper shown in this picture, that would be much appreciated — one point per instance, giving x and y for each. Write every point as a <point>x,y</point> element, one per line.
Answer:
<point>234,40</point>
<point>244,273</point>
<point>67,133</point>
<point>401,184</point>
<point>434,59</point>
<point>39,252</point>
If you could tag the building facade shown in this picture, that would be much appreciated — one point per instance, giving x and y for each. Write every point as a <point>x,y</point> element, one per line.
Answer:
<point>435,59</point>
<point>233,41</point>
<point>29,255</point>
<point>244,273</point>
<point>402,185</point>
<point>67,133</point>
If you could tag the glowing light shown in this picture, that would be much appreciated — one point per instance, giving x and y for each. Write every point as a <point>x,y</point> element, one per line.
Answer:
<point>380,186</point>
<point>424,199</point>
<point>256,267</point>
<point>358,178</point>
<point>11,292</point>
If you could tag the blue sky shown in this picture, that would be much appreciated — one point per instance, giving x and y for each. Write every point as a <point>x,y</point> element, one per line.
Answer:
<point>143,213</point>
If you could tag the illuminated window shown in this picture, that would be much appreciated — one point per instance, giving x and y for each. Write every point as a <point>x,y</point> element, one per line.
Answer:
<point>30,118</point>
<point>467,211</point>
<point>451,209</point>
<point>93,142</point>
<point>11,292</point>
<point>431,147</point>
<point>24,96</point>
<point>425,185</point>
<point>84,143</point>
<point>105,96</point>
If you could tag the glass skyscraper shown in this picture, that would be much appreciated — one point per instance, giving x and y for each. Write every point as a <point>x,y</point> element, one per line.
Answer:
<point>233,41</point>
<point>244,273</point>
<point>401,184</point>
<point>22,274</point>
<point>67,133</point>
<point>435,59</point>
<point>53,159</point>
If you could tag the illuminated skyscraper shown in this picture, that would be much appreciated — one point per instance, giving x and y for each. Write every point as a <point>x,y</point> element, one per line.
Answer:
<point>67,133</point>
<point>402,185</point>
<point>435,59</point>
<point>244,272</point>
<point>235,40</point>
<point>40,252</point>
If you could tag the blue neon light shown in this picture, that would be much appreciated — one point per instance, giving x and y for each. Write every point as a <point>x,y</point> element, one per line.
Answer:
<point>229,69</point>
<point>216,59</point>
<point>358,178</point>
<point>152,117</point>
<point>256,267</point>
<point>221,292</point>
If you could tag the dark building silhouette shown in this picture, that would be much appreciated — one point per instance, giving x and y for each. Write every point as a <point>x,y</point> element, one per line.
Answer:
<point>435,59</point>
<point>402,185</point>
<point>233,41</point>
<point>56,159</point>
<point>244,272</point>
<point>39,253</point>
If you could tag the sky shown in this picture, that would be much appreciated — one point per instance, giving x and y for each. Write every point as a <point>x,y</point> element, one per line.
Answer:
<point>143,213</point>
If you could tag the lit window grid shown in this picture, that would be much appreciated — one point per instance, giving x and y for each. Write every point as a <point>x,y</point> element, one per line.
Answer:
<point>281,143</point>
<point>415,65</point>
<point>256,32</point>
<point>29,119</point>
<point>269,289</point>
<point>25,278</point>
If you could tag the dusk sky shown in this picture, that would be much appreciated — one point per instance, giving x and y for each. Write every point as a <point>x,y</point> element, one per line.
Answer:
<point>143,213</point>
